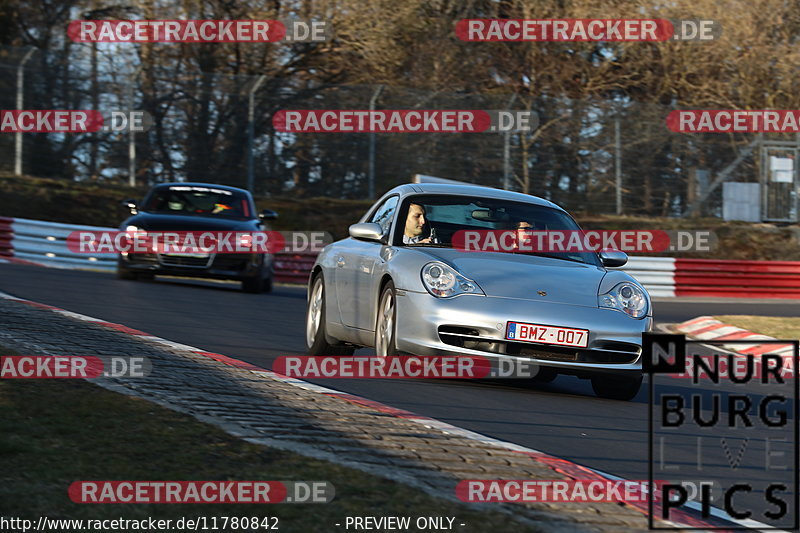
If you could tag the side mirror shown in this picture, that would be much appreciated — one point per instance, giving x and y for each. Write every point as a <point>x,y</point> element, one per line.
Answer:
<point>268,214</point>
<point>367,231</point>
<point>130,204</point>
<point>613,258</point>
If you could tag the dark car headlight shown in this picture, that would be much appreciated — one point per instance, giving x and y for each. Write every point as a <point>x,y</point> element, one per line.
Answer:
<point>131,231</point>
<point>626,297</point>
<point>443,281</point>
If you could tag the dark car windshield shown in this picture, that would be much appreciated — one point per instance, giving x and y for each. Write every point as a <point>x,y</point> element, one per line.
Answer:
<point>194,200</point>
<point>444,215</point>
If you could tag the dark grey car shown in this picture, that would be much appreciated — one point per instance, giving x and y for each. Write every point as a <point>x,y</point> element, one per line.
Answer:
<point>198,207</point>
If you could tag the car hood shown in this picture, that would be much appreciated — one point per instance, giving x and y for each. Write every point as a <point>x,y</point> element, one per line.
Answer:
<point>532,277</point>
<point>154,222</point>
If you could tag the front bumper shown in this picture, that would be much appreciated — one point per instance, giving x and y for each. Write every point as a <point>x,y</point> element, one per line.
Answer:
<point>476,325</point>
<point>215,266</point>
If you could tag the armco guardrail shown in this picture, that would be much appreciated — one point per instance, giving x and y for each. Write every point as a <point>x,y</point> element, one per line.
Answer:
<point>45,243</point>
<point>657,274</point>
<point>742,279</point>
<point>6,237</point>
<point>294,267</point>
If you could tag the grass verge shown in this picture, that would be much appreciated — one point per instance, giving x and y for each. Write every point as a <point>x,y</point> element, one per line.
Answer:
<point>787,328</point>
<point>54,432</point>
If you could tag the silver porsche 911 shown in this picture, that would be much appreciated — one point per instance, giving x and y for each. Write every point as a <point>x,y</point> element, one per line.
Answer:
<point>399,284</point>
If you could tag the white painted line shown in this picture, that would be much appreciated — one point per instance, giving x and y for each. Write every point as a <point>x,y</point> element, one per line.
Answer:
<point>698,325</point>
<point>172,344</point>
<point>78,316</point>
<point>719,332</point>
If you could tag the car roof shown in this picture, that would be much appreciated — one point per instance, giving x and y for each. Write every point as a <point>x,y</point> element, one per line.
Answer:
<point>201,184</point>
<point>470,190</point>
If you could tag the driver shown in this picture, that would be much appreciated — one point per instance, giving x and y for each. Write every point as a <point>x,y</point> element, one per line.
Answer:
<point>415,224</point>
<point>175,204</point>
<point>521,227</point>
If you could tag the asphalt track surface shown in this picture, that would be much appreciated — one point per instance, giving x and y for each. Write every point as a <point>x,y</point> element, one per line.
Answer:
<point>562,418</point>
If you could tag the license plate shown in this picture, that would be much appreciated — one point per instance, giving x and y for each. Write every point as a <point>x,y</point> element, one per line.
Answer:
<point>520,331</point>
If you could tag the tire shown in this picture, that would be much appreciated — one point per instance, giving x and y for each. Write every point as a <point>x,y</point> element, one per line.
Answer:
<point>125,274</point>
<point>386,323</point>
<point>268,284</point>
<point>253,285</point>
<point>316,336</point>
<point>130,275</point>
<point>122,272</point>
<point>258,284</point>
<point>615,388</point>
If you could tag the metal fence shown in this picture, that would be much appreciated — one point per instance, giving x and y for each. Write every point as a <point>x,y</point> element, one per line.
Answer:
<point>608,155</point>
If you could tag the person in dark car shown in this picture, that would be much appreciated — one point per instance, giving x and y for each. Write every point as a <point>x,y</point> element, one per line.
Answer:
<point>198,201</point>
<point>521,226</point>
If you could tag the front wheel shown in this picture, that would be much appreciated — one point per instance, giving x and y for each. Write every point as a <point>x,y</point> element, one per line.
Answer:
<point>253,285</point>
<point>616,388</point>
<point>386,323</point>
<point>258,283</point>
<point>268,284</point>
<point>125,274</point>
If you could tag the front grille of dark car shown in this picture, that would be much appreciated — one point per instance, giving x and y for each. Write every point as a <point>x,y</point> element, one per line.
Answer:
<point>185,262</point>
<point>601,352</point>
<point>142,259</point>
<point>231,261</point>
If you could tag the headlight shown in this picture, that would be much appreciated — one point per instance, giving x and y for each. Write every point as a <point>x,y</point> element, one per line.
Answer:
<point>626,297</point>
<point>140,235</point>
<point>129,230</point>
<point>443,282</point>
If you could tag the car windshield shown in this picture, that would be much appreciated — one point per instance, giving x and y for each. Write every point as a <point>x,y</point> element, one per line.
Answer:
<point>194,200</point>
<point>433,220</point>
